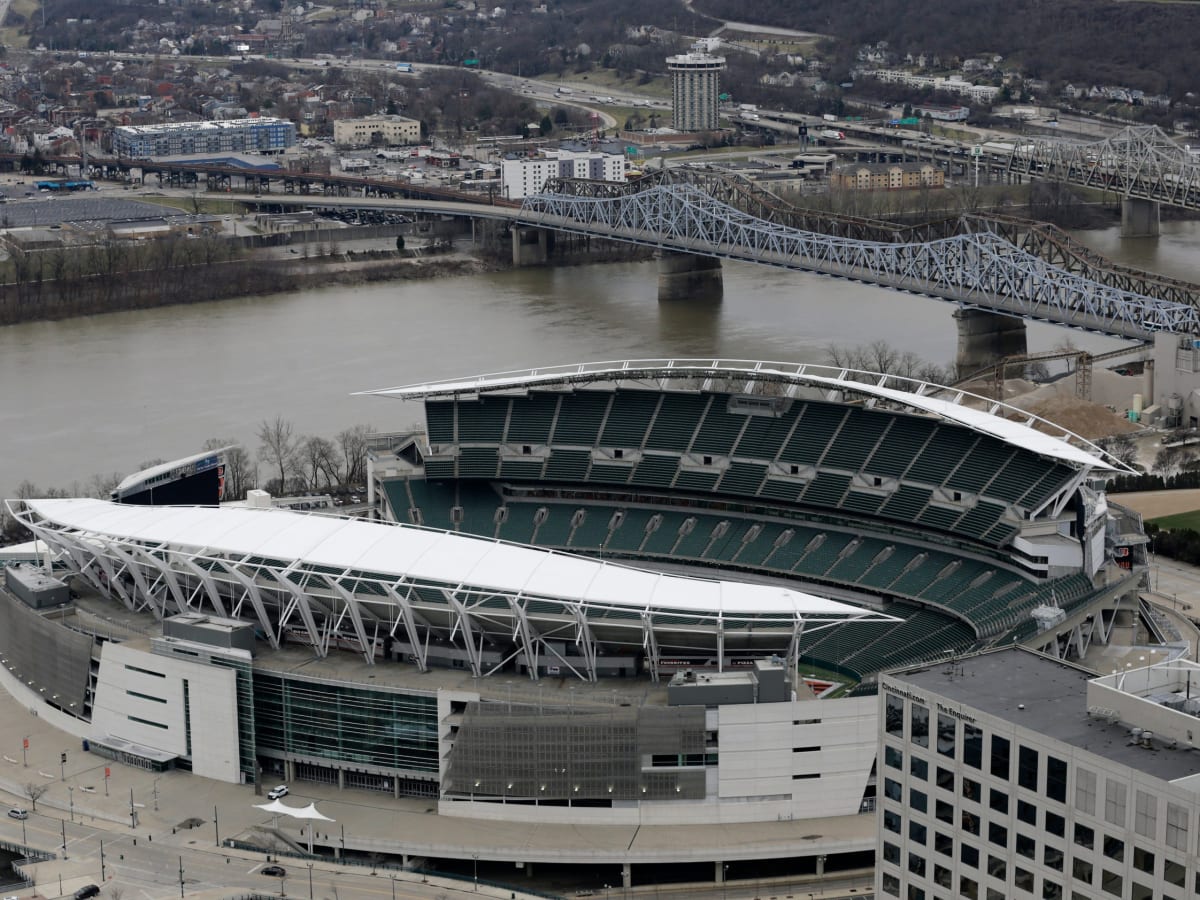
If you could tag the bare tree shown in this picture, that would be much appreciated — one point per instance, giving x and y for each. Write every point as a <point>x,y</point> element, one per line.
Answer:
<point>35,791</point>
<point>1121,447</point>
<point>353,444</point>
<point>319,461</point>
<point>102,486</point>
<point>277,447</point>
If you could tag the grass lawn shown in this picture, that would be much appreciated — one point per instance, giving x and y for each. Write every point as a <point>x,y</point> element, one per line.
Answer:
<point>1179,521</point>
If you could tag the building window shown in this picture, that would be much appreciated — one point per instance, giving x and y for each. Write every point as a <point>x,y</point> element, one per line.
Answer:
<point>970,823</point>
<point>1085,837</point>
<point>1056,779</point>
<point>1085,791</point>
<point>1177,827</point>
<point>892,790</point>
<point>891,821</point>
<point>969,856</point>
<point>947,735</point>
<point>972,790</point>
<point>997,834</point>
<point>1051,890</point>
<point>1026,846</point>
<point>917,832</point>
<point>918,800</point>
<point>1027,768</point>
<point>1023,880</point>
<point>1056,825</point>
<point>918,724</point>
<point>894,716</point>
<point>1114,802</point>
<point>945,779</point>
<point>1174,873</point>
<point>1111,883</point>
<point>1081,870</point>
<point>891,853</point>
<point>972,746</point>
<point>1027,813</point>
<point>942,876</point>
<point>1001,749</point>
<point>944,812</point>
<point>1143,860</point>
<point>998,800</point>
<point>918,768</point>
<point>891,885</point>
<point>943,844</point>
<point>968,888</point>
<point>1145,817</point>
<point>1114,848</point>
<point>893,758</point>
<point>1053,857</point>
<point>916,865</point>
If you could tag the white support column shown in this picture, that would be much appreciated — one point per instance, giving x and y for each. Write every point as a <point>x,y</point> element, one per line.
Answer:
<point>210,586</point>
<point>168,576</point>
<point>793,654</point>
<point>139,580</point>
<point>523,632</point>
<point>368,648</point>
<point>255,600</point>
<point>405,615</point>
<point>82,556</point>
<point>474,655</point>
<point>585,640</point>
<point>720,642</point>
<point>650,645</point>
<point>114,583</point>
<point>300,602</point>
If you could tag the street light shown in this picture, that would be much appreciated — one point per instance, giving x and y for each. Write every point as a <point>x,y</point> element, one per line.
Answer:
<point>310,889</point>
<point>71,795</point>
<point>475,860</point>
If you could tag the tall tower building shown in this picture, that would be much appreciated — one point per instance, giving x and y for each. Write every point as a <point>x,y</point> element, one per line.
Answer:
<point>695,82</point>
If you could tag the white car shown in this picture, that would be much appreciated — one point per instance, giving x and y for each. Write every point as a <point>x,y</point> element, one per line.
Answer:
<point>276,793</point>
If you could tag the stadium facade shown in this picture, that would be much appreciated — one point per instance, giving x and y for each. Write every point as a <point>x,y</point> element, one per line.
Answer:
<point>639,593</point>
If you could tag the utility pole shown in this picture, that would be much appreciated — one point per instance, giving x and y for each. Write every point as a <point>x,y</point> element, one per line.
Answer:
<point>216,828</point>
<point>102,861</point>
<point>63,823</point>
<point>181,878</point>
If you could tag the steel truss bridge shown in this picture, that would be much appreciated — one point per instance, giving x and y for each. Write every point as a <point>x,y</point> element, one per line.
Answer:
<point>1139,162</point>
<point>1002,265</point>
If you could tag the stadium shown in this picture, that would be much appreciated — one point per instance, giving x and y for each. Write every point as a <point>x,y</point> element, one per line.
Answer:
<point>645,594</point>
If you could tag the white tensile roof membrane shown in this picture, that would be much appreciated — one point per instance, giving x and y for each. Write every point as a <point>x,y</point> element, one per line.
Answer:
<point>421,554</point>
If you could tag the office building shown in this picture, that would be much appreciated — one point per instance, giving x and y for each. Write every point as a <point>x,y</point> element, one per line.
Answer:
<point>524,175</point>
<point>376,131</point>
<point>1012,774</point>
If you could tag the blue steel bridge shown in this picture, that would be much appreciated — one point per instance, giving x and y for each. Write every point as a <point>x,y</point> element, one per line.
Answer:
<point>1000,265</point>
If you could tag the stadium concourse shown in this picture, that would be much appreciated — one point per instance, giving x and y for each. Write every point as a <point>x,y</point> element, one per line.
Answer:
<point>636,595</point>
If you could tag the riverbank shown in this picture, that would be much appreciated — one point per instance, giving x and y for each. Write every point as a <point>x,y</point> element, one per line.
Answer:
<point>98,294</point>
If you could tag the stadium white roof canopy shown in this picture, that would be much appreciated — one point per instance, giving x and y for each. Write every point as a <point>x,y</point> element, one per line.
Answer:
<point>421,554</point>
<point>1000,420</point>
<point>139,478</point>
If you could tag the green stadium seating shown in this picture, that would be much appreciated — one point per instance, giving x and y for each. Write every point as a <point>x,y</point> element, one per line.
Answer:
<point>439,420</point>
<point>676,422</point>
<point>579,417</point>
<point>531,419</point>
<point>482,420</point>
<point>628,417</point>
<point>811,436</point>
<point>719,429</point>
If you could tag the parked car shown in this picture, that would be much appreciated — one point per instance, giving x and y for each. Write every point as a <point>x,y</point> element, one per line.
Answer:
<point>17,813</point>
<point>88,890</point>
<point>277,792</point>
<point>274,871</point>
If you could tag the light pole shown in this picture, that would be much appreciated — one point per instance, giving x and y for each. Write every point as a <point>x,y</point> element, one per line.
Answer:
<point>156,793</point>
<point>393,877</point>
<point>181,878</point>
<point>310,889</point>
<point>71,801</point>
<point>25,751</point>
<point>475,876</point>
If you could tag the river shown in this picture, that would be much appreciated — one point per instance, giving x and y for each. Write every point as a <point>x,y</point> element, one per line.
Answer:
<point>102,394</point>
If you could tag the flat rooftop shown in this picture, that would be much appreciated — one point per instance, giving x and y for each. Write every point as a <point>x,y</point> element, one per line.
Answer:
<point>1047,696</point>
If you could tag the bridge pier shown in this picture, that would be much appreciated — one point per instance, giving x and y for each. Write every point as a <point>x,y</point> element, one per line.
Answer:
<point>530,246</point>
<point>686,276</point>
<point>984,338</point>
<point>1139,218</point>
